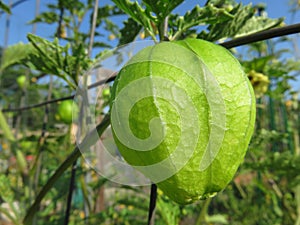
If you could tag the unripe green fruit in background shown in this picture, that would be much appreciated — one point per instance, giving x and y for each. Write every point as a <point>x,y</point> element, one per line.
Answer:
<point>65,111</point>
<point>106,93</point>
<point>183,114</point>
<point>21,80</point>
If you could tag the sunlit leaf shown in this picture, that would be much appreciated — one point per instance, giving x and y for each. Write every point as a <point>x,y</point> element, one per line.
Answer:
<point>46,17</point>
<point>129,31</point>
<point>257,23</point>
<point>162,8</point>
<point>14,54</point>
<point>231,27</point>
<point>198,16</point>
<point>6,130</point>
<point>137,13</point>
<point>5,8</point>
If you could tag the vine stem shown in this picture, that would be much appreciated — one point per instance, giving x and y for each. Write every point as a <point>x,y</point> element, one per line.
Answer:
<point>263,35</point>
<point>202,216</point>
<point>87,142</point>
<point>152,204</point>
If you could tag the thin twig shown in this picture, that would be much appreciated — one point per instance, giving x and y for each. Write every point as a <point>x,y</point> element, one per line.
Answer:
<point>94,22</point>
<point>60,21</point>
<point>38,105</point>
<point>70,194</point>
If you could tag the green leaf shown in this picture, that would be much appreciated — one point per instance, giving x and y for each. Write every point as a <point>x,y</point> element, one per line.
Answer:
<point>257,64</point>
<point>5,8</point>
<point>5,190</point>
<point>162,8</point>
<point>137,13</point>
<point>51,58</point>
<point>5,128</point>
<point>14,54</point>
<point>134,10</point>
<point>258,23</point>
<point>129,31</point>
<point>46,17</point>
<point>243,22</point>
<point>98,44</point>
<point>47,58</point>
<point>199,16</point>
<point>105,12</point>
<point>168,210</point>
<point>231,27</point>
<point>218,218</point>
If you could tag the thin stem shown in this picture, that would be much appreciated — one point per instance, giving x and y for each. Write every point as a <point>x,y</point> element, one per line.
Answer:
<point>89,140</point>
<point>70,194</point>
<point>163,29</point>
<point>60,21</point>
<point>95,15</point>
<point>37,10</point>
<point>263,35</point>
<point>202,216</point>
<point>152,204</point>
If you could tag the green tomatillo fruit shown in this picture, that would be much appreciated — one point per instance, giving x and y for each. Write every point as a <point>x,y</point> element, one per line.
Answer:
<point>65,111</point>
<point>21,80</point>
<point>183,113</point>
<point>106,93</point>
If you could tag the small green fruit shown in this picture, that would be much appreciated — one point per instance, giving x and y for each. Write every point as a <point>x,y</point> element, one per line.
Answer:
<point>183,114</point>
<point>229,8</point>
<point>65,111</point>
<point>21,80</point>
<point>106,94</point>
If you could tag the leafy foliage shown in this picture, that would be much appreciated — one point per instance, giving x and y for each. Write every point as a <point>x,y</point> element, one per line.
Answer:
<point>243,22</point>
<point>137,13</point>
<point>161,8</point>
<point>129,32</point>
<point>14,54</point>
<point>54,59</point>
<point>198,16</point>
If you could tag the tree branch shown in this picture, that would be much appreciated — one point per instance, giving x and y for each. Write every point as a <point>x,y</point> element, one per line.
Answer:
<point>263,35</point>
